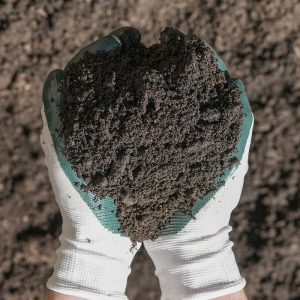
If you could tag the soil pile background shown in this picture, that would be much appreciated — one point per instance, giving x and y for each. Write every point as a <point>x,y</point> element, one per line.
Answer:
<point>259,41</point>
<point>153,128</point>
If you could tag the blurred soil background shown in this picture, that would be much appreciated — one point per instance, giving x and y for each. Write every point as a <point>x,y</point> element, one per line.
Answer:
<point>260,43</point>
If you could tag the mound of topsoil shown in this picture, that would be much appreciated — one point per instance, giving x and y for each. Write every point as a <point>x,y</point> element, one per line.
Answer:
<point>151,127</point>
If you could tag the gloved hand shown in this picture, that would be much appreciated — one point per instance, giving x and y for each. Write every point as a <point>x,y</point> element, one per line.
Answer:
<point>193,258</point>
<point>93,261</point>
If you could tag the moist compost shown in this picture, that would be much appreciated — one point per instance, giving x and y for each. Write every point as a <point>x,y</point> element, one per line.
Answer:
<point>153,128</point>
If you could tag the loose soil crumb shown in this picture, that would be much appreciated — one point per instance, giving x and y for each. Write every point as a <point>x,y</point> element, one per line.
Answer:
<point>151,127</point>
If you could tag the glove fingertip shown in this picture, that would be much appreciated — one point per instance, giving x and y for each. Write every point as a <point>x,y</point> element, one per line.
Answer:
<point>127,36</point>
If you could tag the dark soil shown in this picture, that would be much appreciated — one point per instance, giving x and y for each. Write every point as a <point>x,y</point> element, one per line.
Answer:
<point>153,128</point>
<point>260,43</point>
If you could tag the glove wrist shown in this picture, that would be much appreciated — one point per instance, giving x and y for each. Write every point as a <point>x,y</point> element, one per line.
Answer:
<point>85,269</point>
<point>199,268</point>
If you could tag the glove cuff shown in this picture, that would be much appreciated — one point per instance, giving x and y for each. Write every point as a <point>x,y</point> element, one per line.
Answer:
<point>82,270</point>
<point>201,268</point>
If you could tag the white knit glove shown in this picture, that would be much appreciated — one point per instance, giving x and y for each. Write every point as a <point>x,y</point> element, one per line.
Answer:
<point>92,262</point>
<point>198,262</point>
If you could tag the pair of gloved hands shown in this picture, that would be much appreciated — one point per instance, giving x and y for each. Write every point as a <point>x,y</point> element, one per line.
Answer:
<point>93,261</point>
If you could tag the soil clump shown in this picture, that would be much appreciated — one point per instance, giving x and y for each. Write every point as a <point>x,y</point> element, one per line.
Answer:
<point>153,128</point>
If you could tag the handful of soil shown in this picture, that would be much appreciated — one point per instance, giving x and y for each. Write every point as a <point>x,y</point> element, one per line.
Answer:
<point>153,128</point>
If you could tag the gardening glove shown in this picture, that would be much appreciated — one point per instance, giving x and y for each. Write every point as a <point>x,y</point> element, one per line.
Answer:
<point>93,260</point>
<point>193,257</point>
